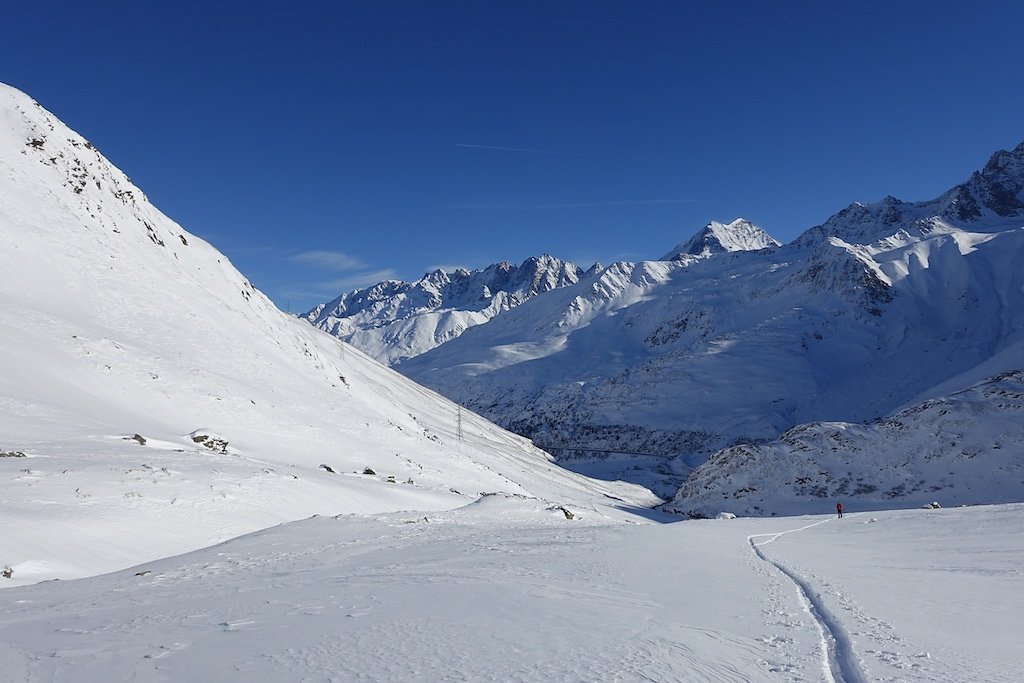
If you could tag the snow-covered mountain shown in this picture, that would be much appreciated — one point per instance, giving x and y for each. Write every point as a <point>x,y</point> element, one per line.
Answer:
<point>154,402</point>
<point>960,449</point>
<point>881,306</point>
<point>394,320</point>
<point>990,199</point>
<point>717,238</point>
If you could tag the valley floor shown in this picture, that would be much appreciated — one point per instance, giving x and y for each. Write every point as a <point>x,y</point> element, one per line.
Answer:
<point>509,589</point>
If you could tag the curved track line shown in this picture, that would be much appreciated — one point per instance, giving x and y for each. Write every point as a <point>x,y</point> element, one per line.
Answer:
<point>840,663</point>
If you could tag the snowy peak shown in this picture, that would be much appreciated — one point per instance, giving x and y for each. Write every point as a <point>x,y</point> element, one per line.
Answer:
<point>533,276</point>
<point>998,188</point>
<point>718,238</point>
<point>458,289</point>
<point>864,223</point>
<point>992,199</point>
<point>395,320</point>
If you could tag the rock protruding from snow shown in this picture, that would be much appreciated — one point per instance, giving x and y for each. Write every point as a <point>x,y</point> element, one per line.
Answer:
<point>395,320</point>
<point>718,238</point>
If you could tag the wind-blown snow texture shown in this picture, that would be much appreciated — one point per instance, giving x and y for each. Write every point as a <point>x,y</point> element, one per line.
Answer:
<point>161,403</point>
<point>881,307</point>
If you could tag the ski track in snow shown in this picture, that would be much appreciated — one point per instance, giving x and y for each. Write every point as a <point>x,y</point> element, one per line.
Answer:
<point>839,662</point>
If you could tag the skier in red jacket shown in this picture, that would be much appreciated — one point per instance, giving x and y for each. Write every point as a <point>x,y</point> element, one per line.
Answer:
<point>839,510</point>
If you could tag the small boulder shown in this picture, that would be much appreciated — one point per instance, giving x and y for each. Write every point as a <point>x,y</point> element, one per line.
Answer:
<point>568,514</point>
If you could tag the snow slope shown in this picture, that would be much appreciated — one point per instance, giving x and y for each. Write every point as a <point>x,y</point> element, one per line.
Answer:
<point>394,320</point>
<point>504,589</point>
<point>131,351</point>
<point>959,449</point>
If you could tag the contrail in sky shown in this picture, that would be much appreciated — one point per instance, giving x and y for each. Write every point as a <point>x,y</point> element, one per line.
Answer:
<point>572,205</point>
<point>528,150</point>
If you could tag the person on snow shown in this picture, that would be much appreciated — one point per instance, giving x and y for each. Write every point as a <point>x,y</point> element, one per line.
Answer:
<point>839,510</point>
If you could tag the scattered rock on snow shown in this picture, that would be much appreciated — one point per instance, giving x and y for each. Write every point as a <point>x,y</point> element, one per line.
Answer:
<point>328,468</point>
<point>214,443</point>
<point>369,471</point>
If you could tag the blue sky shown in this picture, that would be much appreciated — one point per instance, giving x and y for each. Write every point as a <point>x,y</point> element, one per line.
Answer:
<point>324,146</point>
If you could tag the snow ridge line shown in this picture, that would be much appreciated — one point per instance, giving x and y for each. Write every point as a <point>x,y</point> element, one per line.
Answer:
<point>840,663</point>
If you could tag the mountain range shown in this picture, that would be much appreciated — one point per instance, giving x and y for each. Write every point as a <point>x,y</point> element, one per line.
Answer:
<point>643,370</point>
<point>395,320</point>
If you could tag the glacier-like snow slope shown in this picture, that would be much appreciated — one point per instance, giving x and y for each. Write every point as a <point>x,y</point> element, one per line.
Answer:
<point>118,323</point>
<point>394,320</point>
<point>506,589</point>
<point>689,356</point>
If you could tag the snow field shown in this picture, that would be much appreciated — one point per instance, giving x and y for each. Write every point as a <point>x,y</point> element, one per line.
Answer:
<point>507,588</point>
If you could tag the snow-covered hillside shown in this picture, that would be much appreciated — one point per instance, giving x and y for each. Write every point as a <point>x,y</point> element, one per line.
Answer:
<point>716,238</point>
<point>395,320</point>
<point>504,589</point>
<point>154,402</point>
<point>957,450</point>
<point>682,358</point>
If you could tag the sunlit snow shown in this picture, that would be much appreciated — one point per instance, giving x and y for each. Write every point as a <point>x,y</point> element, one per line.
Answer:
<point>196,486</point>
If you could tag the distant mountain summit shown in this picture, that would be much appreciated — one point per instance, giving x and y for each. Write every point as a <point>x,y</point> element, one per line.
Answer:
<point>991,199</point>
<point>395,320</point>
<point>718,238</point>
